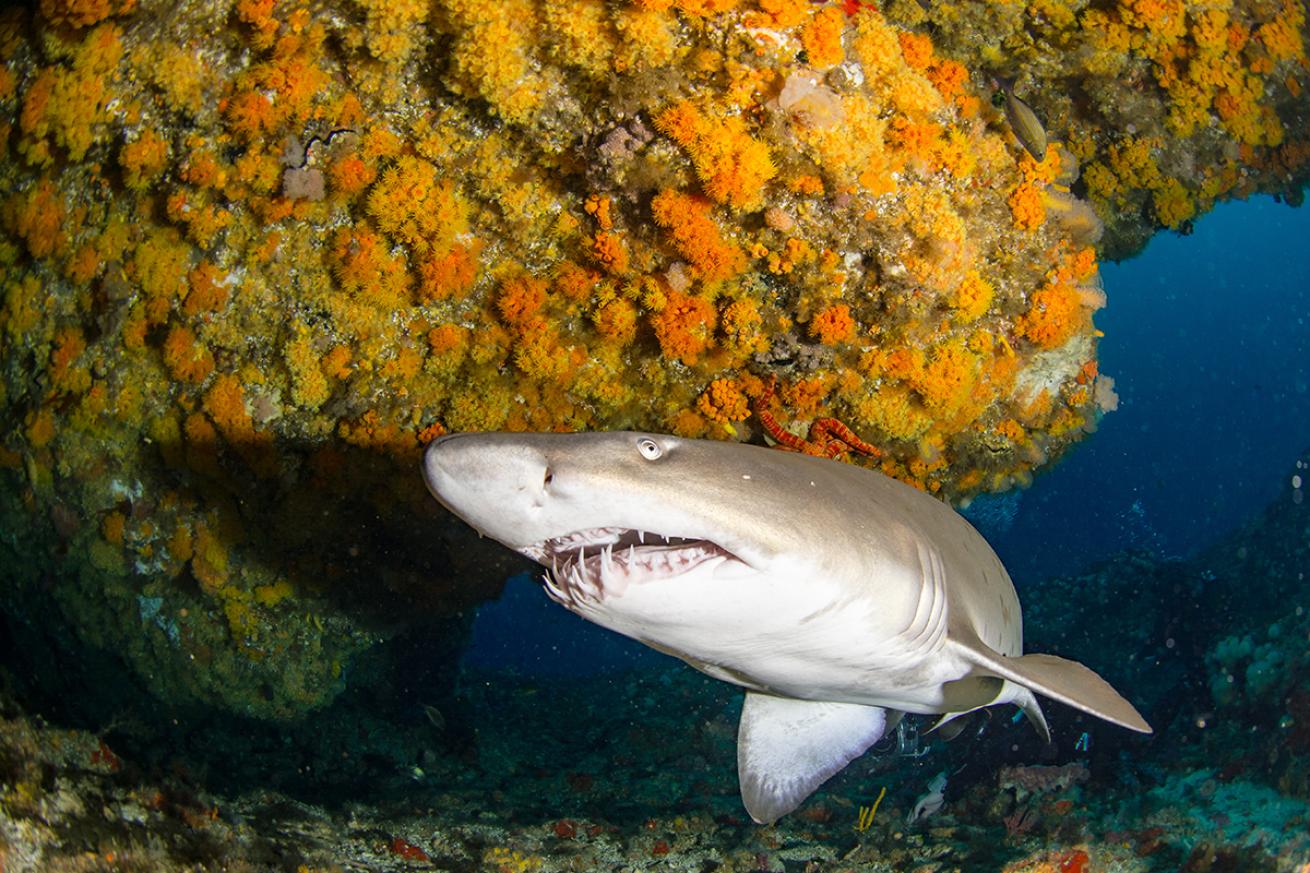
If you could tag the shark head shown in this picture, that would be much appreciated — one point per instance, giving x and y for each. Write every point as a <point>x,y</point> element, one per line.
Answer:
<point>548,495</point>
<point>595,514</point>
<point>670,541</point>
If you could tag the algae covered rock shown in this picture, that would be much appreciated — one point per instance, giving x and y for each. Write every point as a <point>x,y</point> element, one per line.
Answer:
<point>255,255</point>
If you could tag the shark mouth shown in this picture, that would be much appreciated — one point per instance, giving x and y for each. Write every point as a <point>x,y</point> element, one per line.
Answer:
<point>589,565</point>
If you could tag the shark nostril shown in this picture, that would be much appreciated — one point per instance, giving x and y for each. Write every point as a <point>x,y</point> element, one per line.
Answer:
<point>549,477</point>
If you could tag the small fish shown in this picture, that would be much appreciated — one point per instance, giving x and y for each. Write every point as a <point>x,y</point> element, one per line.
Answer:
<point>1024,122</point>
<point>434,716</point>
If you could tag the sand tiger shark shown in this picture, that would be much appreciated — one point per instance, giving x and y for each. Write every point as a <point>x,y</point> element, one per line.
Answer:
<point>837,597</point>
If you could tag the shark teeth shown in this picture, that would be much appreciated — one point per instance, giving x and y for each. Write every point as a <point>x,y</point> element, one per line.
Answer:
<point>618,558</point>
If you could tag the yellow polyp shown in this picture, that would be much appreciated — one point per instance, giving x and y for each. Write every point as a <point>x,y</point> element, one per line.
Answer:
<point>609,252</point>
<point>309,386</point>
<point>781,13</point>
<point>616,321</point>
<point>392,27</point>
<point>1055,315</point>
<point>742,327</point>
<point>580,34</point>
<point>972,297</point>
<point>83,13</point>
<point>209,560</point>
<point>185,357</point>
<point>947,380</point>
<point>143,159</point>
<point>492,58</point>
<point>519,299</point>
<point>269,596</point>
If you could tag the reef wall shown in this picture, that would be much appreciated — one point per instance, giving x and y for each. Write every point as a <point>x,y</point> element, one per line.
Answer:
<point>255,255</point>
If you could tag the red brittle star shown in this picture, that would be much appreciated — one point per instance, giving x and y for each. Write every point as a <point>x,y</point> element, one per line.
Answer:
<point>828,437</point>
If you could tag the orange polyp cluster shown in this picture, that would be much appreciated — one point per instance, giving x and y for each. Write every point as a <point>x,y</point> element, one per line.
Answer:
<point>696,236</point>
<point>724,402</point>
<point>731,165</point>
<point>185,357</point>
<point>520,298</point>
<point>450,274</point>
<point>684,327</point>
<point>833,325</point>
<point>822,38</point>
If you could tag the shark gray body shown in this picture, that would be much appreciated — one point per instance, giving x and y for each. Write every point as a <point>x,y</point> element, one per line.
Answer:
<point>839,598</point>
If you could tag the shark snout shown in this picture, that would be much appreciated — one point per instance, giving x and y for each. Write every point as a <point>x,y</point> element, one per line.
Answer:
<point>444,463</point>
<point>494,483</point>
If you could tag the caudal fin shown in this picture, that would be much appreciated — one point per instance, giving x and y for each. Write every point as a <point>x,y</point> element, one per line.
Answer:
<point>1059,679</point>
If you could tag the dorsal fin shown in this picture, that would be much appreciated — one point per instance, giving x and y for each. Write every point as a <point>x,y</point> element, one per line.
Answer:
<point>1057,678</point>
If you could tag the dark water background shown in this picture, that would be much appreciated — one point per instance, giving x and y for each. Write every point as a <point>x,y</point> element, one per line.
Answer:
<point>1208,339</point>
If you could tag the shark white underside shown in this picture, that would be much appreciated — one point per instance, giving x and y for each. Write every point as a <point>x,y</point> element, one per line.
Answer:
<point>837,597</point>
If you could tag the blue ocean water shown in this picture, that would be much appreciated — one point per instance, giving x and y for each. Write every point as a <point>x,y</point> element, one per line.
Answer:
<point>1206,337</point>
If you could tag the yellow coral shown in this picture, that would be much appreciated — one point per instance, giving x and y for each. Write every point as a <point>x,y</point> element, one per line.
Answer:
<point>143,159</point>
<point>392,27</point>
<point>450,274</point>
<point>731,165</point>
<point>894,412</point>
<point>1027,206</point>
<point>37,216</point>
<point>520,298</point>
<point>410,203</point>
<point>948,379</point>
<point>1055,315</point>
<point>696,236</point>
<point>83,13</point>
<point>684,327</point>
<point>647,40</point>
<point>1282,37</point>
<point>492,56</point>
<point>68,106</point>
<point>160,264</point>
<point>833,325</point>
<point>972,297</point>
<point>309,387</point>
<point>822,38</point>
<point>186,358</point>
<point>616,321</point>
<point>781,13</point>
<point>1173,204</point>
<point>724,402</point>
<point>580,34</point>
<point>916,48</point>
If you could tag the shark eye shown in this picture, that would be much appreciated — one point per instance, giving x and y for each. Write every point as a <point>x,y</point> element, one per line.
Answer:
<point>650,450</point>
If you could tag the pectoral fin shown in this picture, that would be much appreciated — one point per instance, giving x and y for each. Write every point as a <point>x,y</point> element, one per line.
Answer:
<point>1057,678</point>
<point>787,748</point>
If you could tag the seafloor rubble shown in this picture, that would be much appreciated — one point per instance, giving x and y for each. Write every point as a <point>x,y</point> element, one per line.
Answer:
<point>255,254</point>
<point>636,771</point>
